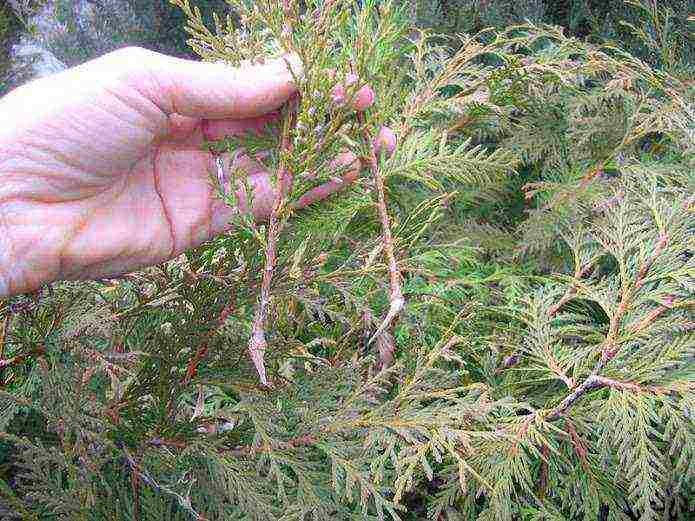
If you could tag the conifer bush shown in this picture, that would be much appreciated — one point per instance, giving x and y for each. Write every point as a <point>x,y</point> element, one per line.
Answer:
<point>494,321</point>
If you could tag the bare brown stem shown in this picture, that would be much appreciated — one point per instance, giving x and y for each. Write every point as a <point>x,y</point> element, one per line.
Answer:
<point>258,343</point>
<point>590,383</point>
<point>396,300</point>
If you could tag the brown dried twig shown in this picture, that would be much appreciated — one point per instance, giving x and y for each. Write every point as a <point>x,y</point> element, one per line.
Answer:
<point>396,299</point>
<point>258,343</point>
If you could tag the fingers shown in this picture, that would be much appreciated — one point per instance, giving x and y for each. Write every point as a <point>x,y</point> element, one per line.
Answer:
<point>219,129</point>
<point>213,90</point>
<point>383,143</point>
<point>345,161</point>
<point>263,190</point>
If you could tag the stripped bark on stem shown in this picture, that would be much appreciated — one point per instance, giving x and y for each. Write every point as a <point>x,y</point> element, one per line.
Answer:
<point>396,299</point>
<point>258,343</point>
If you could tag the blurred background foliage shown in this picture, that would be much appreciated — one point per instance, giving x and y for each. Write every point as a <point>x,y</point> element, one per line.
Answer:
<point>78,30</point>
<point>158,25</point>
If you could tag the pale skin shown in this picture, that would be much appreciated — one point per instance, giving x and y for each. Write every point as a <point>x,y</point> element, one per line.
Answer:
<point>102,170</point>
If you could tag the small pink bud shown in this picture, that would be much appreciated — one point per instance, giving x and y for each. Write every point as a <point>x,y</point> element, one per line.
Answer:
<point>385,141</point>
<point>364,97</point>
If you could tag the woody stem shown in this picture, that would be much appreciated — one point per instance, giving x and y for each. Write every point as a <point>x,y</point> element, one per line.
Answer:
<point>258,343</point>
<point>396,294</point>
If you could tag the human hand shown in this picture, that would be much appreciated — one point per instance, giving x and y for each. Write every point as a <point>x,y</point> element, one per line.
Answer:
<point>101,167</point>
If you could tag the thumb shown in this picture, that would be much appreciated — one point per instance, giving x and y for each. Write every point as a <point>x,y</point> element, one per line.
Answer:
<point>217,90</point>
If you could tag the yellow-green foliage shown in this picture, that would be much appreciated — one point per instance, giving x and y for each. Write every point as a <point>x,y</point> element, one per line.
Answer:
<point>542,368</point>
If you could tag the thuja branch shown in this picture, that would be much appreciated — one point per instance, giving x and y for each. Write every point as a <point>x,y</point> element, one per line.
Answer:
<point>184,502</point>
<point>396,300</point>
<point>571,290</point>
<point>569,294</point>
<point>609,346</point>
<point>258,343</point>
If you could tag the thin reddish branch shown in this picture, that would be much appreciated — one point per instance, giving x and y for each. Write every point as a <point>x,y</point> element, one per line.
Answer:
<point>609,349</point>
<point>623,386</point>
<point>396,300</point>
<point>194,362</point>
<point>651,316</point>
<point>571,291</point>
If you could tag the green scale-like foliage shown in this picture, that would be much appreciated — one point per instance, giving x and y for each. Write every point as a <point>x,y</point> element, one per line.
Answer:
<point>542,368</point>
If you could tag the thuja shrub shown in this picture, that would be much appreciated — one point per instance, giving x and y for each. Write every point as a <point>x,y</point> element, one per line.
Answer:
<point>663,21</point>
<point>492,319</point>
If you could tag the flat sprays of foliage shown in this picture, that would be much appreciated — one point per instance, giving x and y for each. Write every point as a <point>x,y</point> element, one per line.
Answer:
<point>494,322</point>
